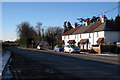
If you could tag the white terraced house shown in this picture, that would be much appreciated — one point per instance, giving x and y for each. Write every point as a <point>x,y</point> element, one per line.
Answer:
<point>91,34</point>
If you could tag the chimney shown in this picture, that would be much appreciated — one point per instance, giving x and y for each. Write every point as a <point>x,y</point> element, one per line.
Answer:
<point>87,22</point>
<point>103,19</point>
<point>75,25</point>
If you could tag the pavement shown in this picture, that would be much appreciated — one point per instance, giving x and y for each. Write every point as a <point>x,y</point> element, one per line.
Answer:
<point>73,66</point>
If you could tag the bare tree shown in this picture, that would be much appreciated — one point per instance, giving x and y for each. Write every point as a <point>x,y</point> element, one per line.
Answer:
<point>39,24</point>
<point>52,35</point>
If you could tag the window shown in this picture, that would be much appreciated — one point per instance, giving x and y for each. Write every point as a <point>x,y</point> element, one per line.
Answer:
<point>68,37</point>
<point>64,37</point>
<point>89,35</point>
<point>80,35</point>
<point>68,46</point>
<point>97,34</point>
<point>75,36</point>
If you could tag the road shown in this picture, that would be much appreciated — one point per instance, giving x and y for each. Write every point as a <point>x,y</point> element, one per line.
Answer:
<point>78,66</point>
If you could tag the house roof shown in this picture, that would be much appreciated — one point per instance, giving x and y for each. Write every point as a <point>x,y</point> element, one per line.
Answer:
<point>99,28</point>
<point>107,26</point>
<point>71,31</point>
<point>94,27</point>
<point>82,29</point>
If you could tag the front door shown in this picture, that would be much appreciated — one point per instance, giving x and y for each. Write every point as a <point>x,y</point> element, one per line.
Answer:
<point>83,46</point>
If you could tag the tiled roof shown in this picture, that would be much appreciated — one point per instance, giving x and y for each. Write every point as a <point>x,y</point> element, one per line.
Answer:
<point>107,26</point>
<point>71,31</point>
<point>99,28</point>
<point>82,29</point>
<point>93,27</point>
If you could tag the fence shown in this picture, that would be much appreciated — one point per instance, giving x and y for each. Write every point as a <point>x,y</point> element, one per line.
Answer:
<point>104,48</point>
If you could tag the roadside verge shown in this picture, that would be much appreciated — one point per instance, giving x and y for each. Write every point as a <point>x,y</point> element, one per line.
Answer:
<point>4,60</point>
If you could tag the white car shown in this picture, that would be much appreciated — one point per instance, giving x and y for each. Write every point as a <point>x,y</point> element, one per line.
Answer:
<point>40,47</point>
<point>71,48</point>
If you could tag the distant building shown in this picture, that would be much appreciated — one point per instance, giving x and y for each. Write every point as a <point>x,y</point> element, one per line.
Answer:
<point>119,8</point>
<point>45,44</point>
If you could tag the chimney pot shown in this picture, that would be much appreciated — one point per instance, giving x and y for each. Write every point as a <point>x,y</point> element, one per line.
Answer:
<point>75,25</point>
<point>87,21</point>
<point>103,19</point>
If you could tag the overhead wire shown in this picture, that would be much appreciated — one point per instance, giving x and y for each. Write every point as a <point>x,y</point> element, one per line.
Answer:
<point>103,12</point>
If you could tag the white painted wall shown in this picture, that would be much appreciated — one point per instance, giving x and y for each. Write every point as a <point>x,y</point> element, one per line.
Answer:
<point>109,36</point>
<point>97,35</point>
<point>66,38</point>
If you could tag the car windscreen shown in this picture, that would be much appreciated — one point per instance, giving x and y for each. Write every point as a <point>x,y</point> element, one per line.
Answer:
<point>73,46</point>
<point>59,46</point>
<point>41,45</point>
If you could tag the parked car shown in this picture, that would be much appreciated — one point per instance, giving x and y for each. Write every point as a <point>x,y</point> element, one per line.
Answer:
<point>40,47</point>
<point>58,48</point>
<point>71,48</point>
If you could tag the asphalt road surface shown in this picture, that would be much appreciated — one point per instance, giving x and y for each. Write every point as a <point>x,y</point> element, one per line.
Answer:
<point>65,65</point>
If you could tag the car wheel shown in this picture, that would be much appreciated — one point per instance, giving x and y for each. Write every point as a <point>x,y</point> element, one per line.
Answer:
<point>57,50</point>
<point>64,51</point>
<point>69,51</point>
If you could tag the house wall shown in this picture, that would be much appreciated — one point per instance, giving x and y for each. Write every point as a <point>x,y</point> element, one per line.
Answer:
<point>109,36</point>
<point>112,36</point>
<point>93,37</point>
<point>66,38</point>
<point>85,36</point>
<point>96,36</point>
<point>77,39</point>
